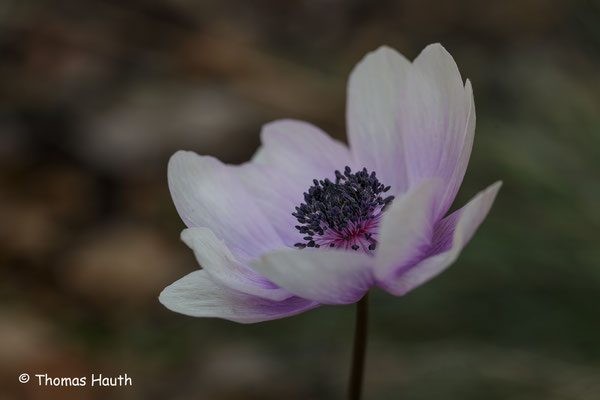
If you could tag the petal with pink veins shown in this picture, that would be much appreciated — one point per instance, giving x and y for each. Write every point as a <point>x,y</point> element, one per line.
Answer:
<point>275,193</point>
<point>374,94</point>
<point>207,194</point>
<point>303,151</point>
<point>450,237</point>
<point>437,121</point>
<point>224,268</point>
<point>406,230</point>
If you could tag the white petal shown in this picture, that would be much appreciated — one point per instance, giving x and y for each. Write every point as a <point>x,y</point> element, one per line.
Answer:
<point>303,151</point>
<point>223,267</point>
<point>325,276</point>
<point>197,295</point>
<point>207,194</point>
<point>467,220</point>
<point>373,111</point>
<point>406,230</point>
<point>465,154</point>
<point>276,194</point>
<point>259,156</point>
<point>436,111</point>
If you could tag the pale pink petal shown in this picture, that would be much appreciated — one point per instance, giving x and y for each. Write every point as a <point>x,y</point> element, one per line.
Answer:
<point>437,120</point>
<point>259,156</point>
<point>302,151</point>
<point>451,235</point>
<point>198,295</point>
<point>406,230</point>
<point>325,276</point>
<point>373,111</point>
<point>207,194</point>
<point>463,159</point>
<point>223,267</point>
<point>276,194</point>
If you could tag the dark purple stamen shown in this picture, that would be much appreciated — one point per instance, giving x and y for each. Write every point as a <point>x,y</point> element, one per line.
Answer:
<point>344,214</point>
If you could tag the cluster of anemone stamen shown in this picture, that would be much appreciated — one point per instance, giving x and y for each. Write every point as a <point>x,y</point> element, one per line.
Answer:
<point>343,214</point>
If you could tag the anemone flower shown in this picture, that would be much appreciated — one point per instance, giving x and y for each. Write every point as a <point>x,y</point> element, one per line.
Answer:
<point>310,221</point>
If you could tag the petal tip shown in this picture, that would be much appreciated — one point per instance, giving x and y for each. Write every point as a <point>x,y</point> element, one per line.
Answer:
<point>436,47</point>
<point>181,154</point>
<point>468,87</point>
<point>166,299</point>
<point>181,157</point>
<point>381,54</point>
<point>187,237</point>
<point>383,49</point>
<point>437,60</point>
<point>495,187</point>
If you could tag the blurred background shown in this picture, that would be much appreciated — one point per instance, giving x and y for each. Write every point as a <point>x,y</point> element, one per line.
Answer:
<point>95,95</point>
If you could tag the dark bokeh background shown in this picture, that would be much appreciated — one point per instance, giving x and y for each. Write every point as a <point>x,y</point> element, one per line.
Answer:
<point>96,95</point>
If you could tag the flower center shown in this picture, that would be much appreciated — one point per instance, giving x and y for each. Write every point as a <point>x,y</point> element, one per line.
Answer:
<point>344,214</point>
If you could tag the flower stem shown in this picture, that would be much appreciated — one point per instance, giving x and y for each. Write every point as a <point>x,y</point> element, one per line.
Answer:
<point>359,352</point>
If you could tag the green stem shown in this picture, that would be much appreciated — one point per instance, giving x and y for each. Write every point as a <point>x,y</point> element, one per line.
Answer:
<point>359,352</point>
